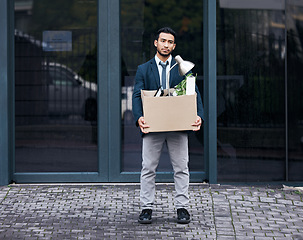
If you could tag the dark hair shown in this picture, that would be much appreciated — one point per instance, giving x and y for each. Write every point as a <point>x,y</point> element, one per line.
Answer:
<point>166,30</point>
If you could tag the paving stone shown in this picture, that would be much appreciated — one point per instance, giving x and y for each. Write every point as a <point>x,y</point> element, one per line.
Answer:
<point>111,211</point>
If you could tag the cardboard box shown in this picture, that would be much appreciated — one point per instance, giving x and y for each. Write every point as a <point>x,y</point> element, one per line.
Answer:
<point>169,113</point>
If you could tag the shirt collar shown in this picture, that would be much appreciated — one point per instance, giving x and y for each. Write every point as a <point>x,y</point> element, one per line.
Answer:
<point>158,60</point>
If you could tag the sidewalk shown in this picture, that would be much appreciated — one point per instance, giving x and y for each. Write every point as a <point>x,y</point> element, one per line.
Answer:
<point>105,211</point>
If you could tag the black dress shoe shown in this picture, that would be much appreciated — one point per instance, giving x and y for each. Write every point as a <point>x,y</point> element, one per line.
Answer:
<point>183,216</point>
<point>145,216</point>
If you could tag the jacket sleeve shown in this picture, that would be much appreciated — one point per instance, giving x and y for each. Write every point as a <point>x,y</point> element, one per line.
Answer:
<point>200,109</point>
<point>136,98</point>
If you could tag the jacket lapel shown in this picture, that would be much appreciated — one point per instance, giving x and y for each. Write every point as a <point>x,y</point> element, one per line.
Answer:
<point>155,72</point>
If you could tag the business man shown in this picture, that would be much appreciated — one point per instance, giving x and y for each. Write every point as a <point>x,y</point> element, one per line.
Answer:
<point>149,77</point>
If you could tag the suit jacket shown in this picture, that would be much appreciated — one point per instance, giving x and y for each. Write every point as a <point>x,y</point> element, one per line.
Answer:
<point>148,78</point>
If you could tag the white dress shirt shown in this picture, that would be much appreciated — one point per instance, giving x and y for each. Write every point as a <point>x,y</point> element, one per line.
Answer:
<point>160,68</point>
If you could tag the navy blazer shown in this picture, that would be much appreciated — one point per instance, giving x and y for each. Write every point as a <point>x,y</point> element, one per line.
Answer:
<point>148,78</point>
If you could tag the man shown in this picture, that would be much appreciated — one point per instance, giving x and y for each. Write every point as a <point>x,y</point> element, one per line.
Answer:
<point>149,77</point>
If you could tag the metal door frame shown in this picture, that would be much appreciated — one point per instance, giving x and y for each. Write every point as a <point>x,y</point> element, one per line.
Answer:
<point>109,102</point>
<point>210,105</point>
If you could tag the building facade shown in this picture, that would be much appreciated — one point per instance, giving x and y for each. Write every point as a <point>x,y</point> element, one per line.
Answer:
<point>67,76</point>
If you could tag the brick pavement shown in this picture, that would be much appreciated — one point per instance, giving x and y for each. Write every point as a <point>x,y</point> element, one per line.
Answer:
<point>111,211</point>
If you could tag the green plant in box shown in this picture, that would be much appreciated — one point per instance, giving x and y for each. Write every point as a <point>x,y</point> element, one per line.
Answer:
<point>180,89</point>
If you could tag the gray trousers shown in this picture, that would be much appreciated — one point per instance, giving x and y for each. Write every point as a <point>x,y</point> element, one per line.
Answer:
<point>177,145</point>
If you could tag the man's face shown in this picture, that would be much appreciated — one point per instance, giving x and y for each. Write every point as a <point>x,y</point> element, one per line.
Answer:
<point>165,44</point>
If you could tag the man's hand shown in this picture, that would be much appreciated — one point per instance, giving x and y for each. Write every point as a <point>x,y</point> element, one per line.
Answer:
<point>197,124</point>
<point>142,124</point>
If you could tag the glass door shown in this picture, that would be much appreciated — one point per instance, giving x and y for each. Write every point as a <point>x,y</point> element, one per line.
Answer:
<point>139,22</point>
<point>56,87</point>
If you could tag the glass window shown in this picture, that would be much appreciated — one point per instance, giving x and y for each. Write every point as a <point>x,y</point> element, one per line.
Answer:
<point>294,11</point>
<point>139,21</point>
<point>56,86</point>
<point>251,90</point>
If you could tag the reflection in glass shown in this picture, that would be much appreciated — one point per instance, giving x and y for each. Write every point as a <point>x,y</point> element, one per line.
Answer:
<point>139,21</point>
<point>251,91</point>
<point>294,21</point>
<point>55,86</point>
